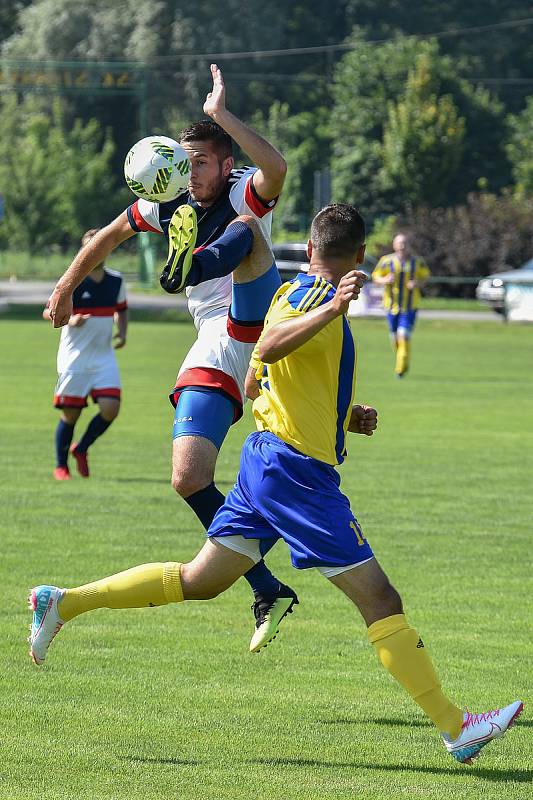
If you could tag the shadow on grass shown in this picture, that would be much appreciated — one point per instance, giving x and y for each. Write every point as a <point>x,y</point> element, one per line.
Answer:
<point>142,479</point>
<point>179,762</point>
<point>162,481</point>
<point>403,723</point>
<point>486,773</point>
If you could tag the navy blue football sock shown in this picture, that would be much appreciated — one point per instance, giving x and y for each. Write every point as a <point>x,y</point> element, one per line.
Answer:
<point>96,427</point>
<point>223,256</point>
<point>262,581</point>
<point>64,434</point>
<point>205,504</point>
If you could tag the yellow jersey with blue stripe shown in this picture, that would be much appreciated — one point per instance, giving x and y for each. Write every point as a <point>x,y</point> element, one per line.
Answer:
<point>306,398</point>
<point>397,297</point>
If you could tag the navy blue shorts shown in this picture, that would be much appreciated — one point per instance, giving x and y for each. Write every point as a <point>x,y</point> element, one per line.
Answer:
<point>281,493</point>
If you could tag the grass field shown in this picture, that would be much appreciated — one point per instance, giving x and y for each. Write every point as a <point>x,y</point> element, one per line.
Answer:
<point>167,703</point>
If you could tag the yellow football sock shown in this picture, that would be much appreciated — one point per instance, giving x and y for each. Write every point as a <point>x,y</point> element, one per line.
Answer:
<point>402,356</point>
<point>402,653</point>
<point>139,587</point>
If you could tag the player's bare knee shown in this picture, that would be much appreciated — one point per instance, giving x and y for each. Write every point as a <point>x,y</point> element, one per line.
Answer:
<point>109,408</point>
<point>185,482</point>
<point>248,220</point>
<point>110,414</point>
<point>70,415</point>
<point>388,599</point>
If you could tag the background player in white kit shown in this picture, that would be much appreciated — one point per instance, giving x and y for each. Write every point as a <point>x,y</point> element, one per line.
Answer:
<point>228,311</point>
<point>86,362</point>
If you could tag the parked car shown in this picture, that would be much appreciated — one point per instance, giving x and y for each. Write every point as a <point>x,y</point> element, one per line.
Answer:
<point>491,290</point>
<point>291,258</point>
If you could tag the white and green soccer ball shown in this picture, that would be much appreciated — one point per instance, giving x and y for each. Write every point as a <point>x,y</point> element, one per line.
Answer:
<point>157,168</point>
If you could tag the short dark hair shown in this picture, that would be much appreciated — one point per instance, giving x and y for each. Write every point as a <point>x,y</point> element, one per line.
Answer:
<point>88,235</point>
<point>208,131</point>
<point>337,231</point>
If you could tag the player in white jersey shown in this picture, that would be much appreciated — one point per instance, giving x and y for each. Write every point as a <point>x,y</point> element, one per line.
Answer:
<point>86,363</point>
<point>228,309</point>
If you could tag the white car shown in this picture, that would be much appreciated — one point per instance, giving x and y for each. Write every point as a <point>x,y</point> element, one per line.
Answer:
<point>491,289</point>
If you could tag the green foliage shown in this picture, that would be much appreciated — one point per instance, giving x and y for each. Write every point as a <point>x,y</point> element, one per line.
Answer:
<point>422,140</point>
<point>391,140</point>
<point>303,139</point>
<point>385,112</point>
<point>520,149</point>
<point>379,239</point>
<point>56,180</point>
<point>486,234</point>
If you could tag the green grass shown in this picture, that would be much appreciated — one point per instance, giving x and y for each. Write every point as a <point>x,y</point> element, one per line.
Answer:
<point>453,304</point>
<point>167,703</point>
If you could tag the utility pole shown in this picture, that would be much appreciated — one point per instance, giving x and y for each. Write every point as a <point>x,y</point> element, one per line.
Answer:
<point>146,250</point>
<point>321,189</point>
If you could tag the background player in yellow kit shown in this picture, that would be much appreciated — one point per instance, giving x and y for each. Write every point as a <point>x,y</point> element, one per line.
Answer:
<point>402,274</point>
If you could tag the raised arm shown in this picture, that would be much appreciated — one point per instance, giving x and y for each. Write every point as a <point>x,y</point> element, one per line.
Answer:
<point>272,167</point>
<point>92,254</point>
<point>287,336</point>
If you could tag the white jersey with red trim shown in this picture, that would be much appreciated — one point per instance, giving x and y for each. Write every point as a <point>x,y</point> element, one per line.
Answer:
<point>238,197</point>
<point>89,346</point>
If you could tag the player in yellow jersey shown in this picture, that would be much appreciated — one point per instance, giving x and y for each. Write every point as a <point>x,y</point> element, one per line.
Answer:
<point>303,378</point>
<point>402,274</point>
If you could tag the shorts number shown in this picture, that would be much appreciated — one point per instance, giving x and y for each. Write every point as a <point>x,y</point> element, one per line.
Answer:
<point>358,532</point>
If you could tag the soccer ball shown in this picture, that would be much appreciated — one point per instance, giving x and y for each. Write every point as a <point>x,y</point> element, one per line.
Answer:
<point>157,168</point>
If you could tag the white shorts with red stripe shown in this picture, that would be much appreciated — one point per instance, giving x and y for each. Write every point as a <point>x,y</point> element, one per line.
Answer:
<point>219,359</point>
<point>74,387</point>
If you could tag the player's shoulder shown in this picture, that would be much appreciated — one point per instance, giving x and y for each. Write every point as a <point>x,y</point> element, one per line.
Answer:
<point>306,292</point>
<point>385,258</point>
<point>113,273</point>
<point>239,174</point>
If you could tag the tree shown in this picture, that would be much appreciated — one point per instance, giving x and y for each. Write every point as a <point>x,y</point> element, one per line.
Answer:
<point>422,140</point>
<point>501,53</point>
<point>9,10</point>
<point>483,235</point>
<point>304,141</point>
<point>56,181</point>
<point>520,149</point>
<point>367,81</point>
